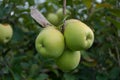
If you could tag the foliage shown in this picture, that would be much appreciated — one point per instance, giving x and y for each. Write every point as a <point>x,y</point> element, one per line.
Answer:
<point>19,59</point>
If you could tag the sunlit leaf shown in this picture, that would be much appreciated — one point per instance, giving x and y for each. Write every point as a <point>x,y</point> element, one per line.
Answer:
<point>89,64</point>
<point>88,3</point>
<point>103,5</point>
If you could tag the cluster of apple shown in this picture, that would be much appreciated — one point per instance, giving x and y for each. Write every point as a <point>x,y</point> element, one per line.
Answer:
<point>56,18</point>
<point>6,33</point>
<point>65,47</point>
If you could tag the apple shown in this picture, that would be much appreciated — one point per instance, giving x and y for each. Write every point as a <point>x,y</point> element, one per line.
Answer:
<point>69,60</point>
<point>6,33</point>
<point>60,13</point>
<point>78,36</point>
<point>50,42</point>
<point>53,18</point>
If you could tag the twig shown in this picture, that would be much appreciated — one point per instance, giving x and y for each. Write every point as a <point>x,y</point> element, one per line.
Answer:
<point>118,56</point>
<point>38,17</point>
<point>111,55</point>
<point>5,52</point>
<point>64,13</point>
<point>64,7</point>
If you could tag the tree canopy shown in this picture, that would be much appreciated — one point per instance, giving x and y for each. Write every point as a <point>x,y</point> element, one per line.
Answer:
<point>19,59</point>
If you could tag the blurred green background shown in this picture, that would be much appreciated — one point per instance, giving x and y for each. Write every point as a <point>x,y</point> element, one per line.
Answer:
<point>19,59</point>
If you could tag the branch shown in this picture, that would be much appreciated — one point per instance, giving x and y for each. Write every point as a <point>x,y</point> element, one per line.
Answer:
<point>64,7</point>
<point>111,55</point>
<point>118,56</point>
<point>38,17</point>
<point>4,53</point>
<point>64,13</point>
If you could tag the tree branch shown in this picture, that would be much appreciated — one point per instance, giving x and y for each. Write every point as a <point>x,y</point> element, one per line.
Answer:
<point>64,7</point>
<point>118,56</point>
<point>38,17</point>
<point>64,13</point>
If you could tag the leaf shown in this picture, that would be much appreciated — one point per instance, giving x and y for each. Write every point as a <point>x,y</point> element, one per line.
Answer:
<point>42,76</point>
<point>15,76</point>
<point>119,32</point>
<point>18,34</point>
<point>34,69</point>
<point>103,5</point>
<point>89,64</point>
<point>114,73</point>
<point>69,77</point>
<point>101,77</point>
<point>86,56</point>
<point>116,23</point>
<point>31,2</point>
<point>55,72</point>
<point>68,2</point>
<point>38,17</point>
<point>88,3</point>
<point>115,12</point>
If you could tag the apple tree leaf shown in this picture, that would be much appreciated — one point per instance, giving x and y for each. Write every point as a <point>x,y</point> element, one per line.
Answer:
<point>88,3</point>
<point>115,12</point>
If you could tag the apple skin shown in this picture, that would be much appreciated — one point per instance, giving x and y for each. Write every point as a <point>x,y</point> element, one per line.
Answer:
<point>60,13</point>
<point>6,33</point>
<point>50,42</point>
<point>78,36</point>
<point>69,60</point>
<point>53,18</point>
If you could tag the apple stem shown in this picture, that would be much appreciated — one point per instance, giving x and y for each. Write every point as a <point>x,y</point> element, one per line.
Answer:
<point>64,13</point>
<point>38,17</point>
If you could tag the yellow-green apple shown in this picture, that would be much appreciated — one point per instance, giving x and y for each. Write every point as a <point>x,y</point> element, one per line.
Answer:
<point>50,42</point>
<point>6,33</point>
<point>60,13</point>
<point>69,60</point>
<point>53,18</point>
<point>78,36</point>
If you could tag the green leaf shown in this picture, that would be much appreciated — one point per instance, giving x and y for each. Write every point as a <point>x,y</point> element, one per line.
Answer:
<point>18,34</point>
<point>42,76</point>
<point>103,5</point>
<point>99,77</point>
<point>86,56</point>
<point>14,75</point>
<point>69,77</point>
<point>119,32</point>
<point>31,2</point>
<point>89,64</point>
<point>88,3</point>
<point>68,2</point>
<point>116,23</point>
<point>34,69</point>
<point>114,73</point>
<point>115,12</point>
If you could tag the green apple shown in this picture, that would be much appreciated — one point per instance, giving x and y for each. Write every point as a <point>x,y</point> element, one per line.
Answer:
<point>6,33</point>
<point>53,18</point>
<point>69,60</point>
<point>78,36</point>
<point>60,13</point>
<point>50,42</point>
